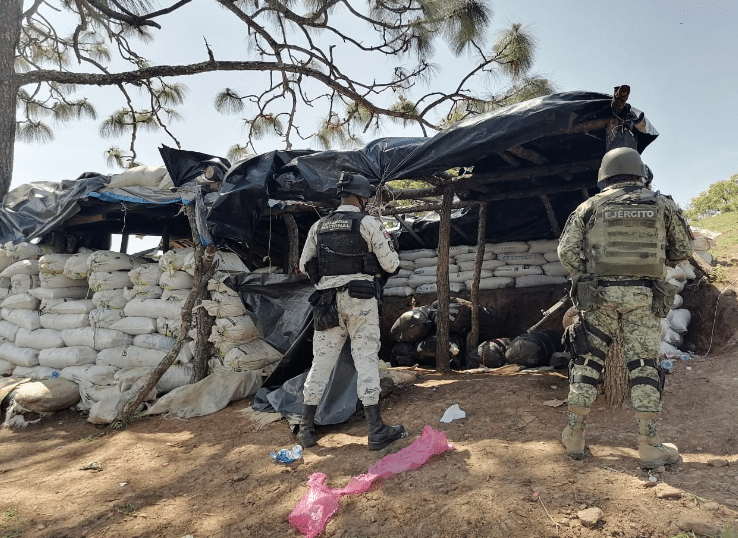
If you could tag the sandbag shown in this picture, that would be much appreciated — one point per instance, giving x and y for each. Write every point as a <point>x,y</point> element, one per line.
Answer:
<point>39,339</point>
<point>253,355</point>
<point>20,356</point>
<point>551,256</point>
<point>22,301</point>
<point>51,280</point>
<point>403,354</point>
<point>66,306</point>
<point>217,283</point>
<point>98,338</point>
<point>6,368</point>
<point>110,299</point>
<point>174,260</point>
<point>129,356</point>
<point>76,266</point>
<point>679,319</point>
<point>399,291</point>
<point>78,292</point>
<point>487,265</point>
<point>471,257</point>
<point>22,283</point>
<point>108,261</point>
<point>426,350</point>
<point>433,270</point>
<point>22,267</point>
<point>533,350</point>
<point>146,274</point>
<point>490,354</point>
<point>527,281</point>
<point>134,325</point>
<point>514,271</point>
<point>555,269</point>
<point>142,292</point>
<point>64,357</point>
<point>425,262</point>
<point>168,327</point>
<point>28,319</point>
<point>154,341</point>
<point>59,322</point>
<point>177,375</point>
<point>53,263</point>
<point>223,305</point>
<point>46,396</point>
<point>412,255</point>
<point>107,408</point>
<point>109,280</point>
<point>543,245</point>
<point>35,372</point>
<point>25,250</point>
<point>138,176</point>
<point>459,314</point>
<point>492,283</point>
<point>507,247</point>
<point>229,262</point>
<point>454,287</point>
<point>153,308</point>
<point>8,330</point>
<point>178,280</point>
<point>175,295</point>
<point>413,325</point>
<point>522,258</point>
<point>238,329</point>
<point>91,373</point>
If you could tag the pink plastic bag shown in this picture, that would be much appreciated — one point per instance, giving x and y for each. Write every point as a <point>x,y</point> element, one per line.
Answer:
<point>320,503</point>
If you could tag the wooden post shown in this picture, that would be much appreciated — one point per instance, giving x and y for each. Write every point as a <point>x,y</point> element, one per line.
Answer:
<point>124,243</point>
<point>555,228</point>
<point>293,240</point>
<point>472,339</point>
<point>443,363</point>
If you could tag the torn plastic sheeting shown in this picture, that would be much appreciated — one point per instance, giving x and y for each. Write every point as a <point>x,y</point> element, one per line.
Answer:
<point>320,503</point>
<point>184,166</point>
<point>34,209</point>
<point>147,195</point>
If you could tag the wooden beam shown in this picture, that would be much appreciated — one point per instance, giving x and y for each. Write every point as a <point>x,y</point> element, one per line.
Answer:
<point>89,219</point>
<point>509,159</point>
<point>461,233</point>
<point>407,227</point>
<point>555,228</point>
<point>444,292</point>
<point>293,240</point>
<point>528,154</point>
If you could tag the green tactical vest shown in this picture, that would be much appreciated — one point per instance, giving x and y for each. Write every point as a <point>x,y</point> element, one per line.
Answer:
<point>626,235</point>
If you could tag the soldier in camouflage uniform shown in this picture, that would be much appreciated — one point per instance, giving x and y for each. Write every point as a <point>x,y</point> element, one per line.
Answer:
<point>616,245</point>
<point>345,255</point>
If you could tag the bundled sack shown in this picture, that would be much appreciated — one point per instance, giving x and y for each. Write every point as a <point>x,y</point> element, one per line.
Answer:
<point>403,354</point>
<point>22,267</point>
<point>489,354</point>
<point>20,301</point>
<point>8,330</point>
<point>59,322</point>
<point>109,280</point>
<point>426,350</point>
<point>223,305</point>
<point>107,261</point>
<point>129,356</point>
<point>177,375</point>
<point>64,357</point>
<point>53,263</point>
<point>114,299</point>
<point>459,314</point>
<point>146,274</point>
<point>533,350</point>
<point>174,260</point>
<point>39,339</point>
<point>28,319</point>
<point>24,251</point>
<point>253,355</point>
<point>142,292</point>
<point>6,368</point>
<point>76,266</point>
<point>138,176</point>
<point>67,306</point>
<point>22,283</point>
<point>89,373</point>
<point>224,261</point>
<point>79,292</point>
<point>46,396</point>
<point>153,308</point>
<point>20,356</point>
<point>98,338</point>
<point>239,330</point>
<point>413,325</point>
<point>35,372</point>
<point>217,284</point>
<point>178,280</point>
<point>51,280</point>
<point>135,325</point>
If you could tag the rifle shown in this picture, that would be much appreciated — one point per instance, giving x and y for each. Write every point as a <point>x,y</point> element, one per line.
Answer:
<point>552,310</point>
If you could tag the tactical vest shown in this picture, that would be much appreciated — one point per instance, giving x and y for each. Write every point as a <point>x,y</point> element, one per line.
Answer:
<point>341,248</point>
<point>626,235</point>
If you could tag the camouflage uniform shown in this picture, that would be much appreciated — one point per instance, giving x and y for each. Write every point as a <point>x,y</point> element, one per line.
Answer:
<point>627,307</point>
<point>358,318</point>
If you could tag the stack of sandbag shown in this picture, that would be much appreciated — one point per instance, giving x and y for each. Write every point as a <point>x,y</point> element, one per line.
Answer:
<point>154,177</point>
<point>674,325</point>
<point>704,240</point>
<point>504,265</point>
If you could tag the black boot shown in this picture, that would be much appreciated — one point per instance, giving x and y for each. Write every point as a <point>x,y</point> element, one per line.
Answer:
<point>380,435</point>
<point>306,433</point>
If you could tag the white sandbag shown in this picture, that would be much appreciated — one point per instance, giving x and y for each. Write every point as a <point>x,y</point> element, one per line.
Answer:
<point>5,259</point>
<point>91,394</point>
<point>177,375</point>
<point>454,287</point>
<point>678,301</point>
<point>418,280</point>
<point>667,350</point>
<point>417,253</point>
<point>64,357</point>
<point>5,283</point>
<point>425,262</point>
<point>515,271</point>
<point>433,269</point>
<point>130,356</point>
<point>676,273</point>
<point>4,293</point>
<point>107,408</point>
<point>225,261</point>
<point>154,341</point>
<point>672,337</point>
<point>36,372</point>
<point>538,280</point>
<point>91,373</point>
<point>138,176</point>
<point>542,246</point>
<point>217,283</point>
<point>706,256</point>
<point>223,306</point>
<point>679,319</point>
<point>688,269</point>
<point>53,263</point>
<point>60,293</point>
<point>110,299</point>
<point>108,261</point>
<point>472,256</point>
<point>460,249</point>
<point>175,295</point>
<point>399,291</point>
<point>678,284</point>
<point>178,280</point>
<point>134,325</point>
<point>173,260</point>
<point>6,368</point>
<point>665,327</point>
<point>396,282</point>
<point>146,274</point>
<point>50,280</point>
<point>22,301</point>
<point>142,292</point>
<point>507,247</point>
<point>153,308</point>
<point>8,330</point>
<point>492,283</point>
<point>60,322</point>
<point>238,329</point>
<point>404,272</point>
<point>463,276</point>
<point>166,183</point>
<point>28,319</point>
<point>39,339</point>
<point>551,256</point>
<point>76,266</point>
<point>408,265</point>
<point>98,338</point>
<point>20,356</point>
<point>66,306</point>
<point>554,269</point>
<point>168,327</point>
<point>251,356</point>
<point>22,267</point>
<point>109,280</point>
<point>488,265</point>
<point>23,251</point>
<point>21,283</point>
<point>522,258</point>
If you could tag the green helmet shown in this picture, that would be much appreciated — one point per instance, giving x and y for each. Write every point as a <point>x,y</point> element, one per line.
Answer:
<point>352,183</point>
<point>620,161</point>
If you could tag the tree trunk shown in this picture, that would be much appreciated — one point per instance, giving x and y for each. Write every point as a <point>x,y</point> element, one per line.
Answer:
<point>472,339</point>
<point>10,28</point>
<point>443,362</point>
<point>615,381</point>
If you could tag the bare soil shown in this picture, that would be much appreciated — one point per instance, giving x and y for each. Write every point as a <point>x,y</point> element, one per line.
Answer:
<point>508,475</point>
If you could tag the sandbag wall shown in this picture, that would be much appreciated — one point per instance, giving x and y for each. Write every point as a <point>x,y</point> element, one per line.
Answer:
<point>104,319</point>
<point>514,264</point>
<point>674,325</point>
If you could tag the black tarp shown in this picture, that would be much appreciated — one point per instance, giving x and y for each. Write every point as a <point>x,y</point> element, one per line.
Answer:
<point>184,166</point>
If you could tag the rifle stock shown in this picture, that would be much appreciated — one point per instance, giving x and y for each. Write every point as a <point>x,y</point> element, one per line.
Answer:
<point>552,310</point>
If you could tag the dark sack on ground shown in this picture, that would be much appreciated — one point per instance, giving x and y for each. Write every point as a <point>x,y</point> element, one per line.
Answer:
<point>535,349</point>
<point>403,354</point>
<point>412,326</point>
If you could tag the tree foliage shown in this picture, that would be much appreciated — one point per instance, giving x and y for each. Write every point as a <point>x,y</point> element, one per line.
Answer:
<point>307,54</point>
<point>720,197</point>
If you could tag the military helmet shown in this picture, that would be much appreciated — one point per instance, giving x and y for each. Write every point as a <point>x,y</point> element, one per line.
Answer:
<point>621,161</point>
<point>352,183</point>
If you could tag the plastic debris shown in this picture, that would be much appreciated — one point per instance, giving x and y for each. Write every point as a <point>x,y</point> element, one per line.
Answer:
<point>286,455</point>
<point>452,413</point>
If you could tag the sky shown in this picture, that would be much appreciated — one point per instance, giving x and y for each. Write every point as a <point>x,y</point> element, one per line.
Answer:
<point>679,58</point>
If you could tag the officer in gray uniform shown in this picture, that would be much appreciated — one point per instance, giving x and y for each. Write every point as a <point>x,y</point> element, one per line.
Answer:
<point>346,254</point>
<point>616,246</point>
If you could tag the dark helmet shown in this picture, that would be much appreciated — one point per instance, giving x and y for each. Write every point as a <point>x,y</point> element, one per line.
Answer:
<point>352,183</point>
<point>620,161</point>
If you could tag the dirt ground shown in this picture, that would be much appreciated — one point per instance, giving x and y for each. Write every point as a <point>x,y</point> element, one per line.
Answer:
<point>507,476</point>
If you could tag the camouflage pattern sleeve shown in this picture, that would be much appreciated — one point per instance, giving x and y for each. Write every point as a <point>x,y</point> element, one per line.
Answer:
<point>571,243</point>
<point>679,238</point>
<point>380,243</point>
<point>310,250</point>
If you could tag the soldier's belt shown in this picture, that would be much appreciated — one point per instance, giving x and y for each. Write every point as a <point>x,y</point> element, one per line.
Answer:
<point>644,282</point>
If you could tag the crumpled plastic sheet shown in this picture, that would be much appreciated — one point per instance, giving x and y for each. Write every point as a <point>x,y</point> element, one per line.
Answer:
<point>320,503</point>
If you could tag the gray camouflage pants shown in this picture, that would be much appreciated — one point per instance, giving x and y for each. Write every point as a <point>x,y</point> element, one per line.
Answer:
<point>630,308</point>
<point>359,321</point>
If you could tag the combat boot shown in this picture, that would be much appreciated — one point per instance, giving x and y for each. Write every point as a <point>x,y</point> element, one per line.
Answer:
<point>306,433</point>
<point>652,451</point>
<point>573,435</point>
<point>380,435</point>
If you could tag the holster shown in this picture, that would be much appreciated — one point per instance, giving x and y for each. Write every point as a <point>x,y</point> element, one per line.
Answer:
<point>663,297</point>
<point>313,273</point>
<point>585,294</point>
<point>325,311</point>
<point>575,339</point>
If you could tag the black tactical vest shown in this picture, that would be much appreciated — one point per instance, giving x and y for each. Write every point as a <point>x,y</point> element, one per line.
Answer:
<point>341,248</point>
